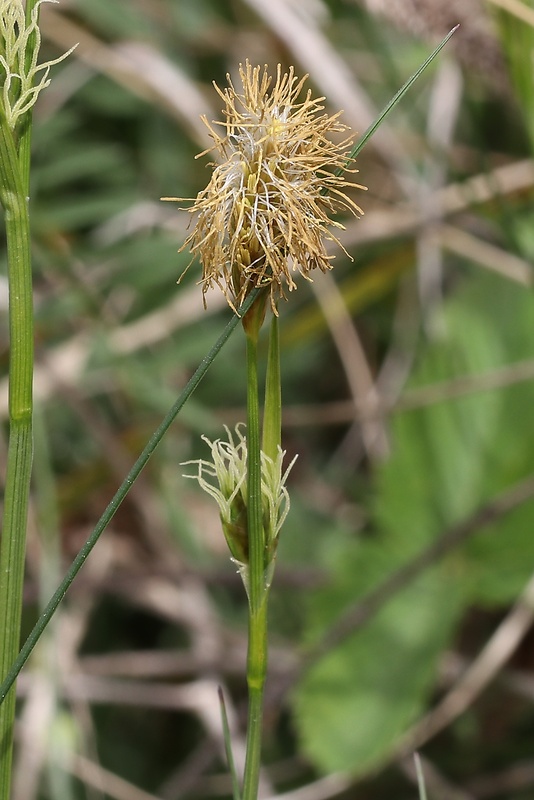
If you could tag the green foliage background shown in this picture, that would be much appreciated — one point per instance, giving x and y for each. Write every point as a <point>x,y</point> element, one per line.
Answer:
<point>408,394</point>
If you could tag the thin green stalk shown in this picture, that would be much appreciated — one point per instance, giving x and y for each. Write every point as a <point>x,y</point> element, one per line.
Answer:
<point>256,544</point>
<point>272,414</point>
<point>256,672</point>
<point>19,456</point>
<point>257,630</point>
<point>119,496</point>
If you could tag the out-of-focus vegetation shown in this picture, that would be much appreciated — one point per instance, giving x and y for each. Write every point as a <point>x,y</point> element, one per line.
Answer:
<point>402,605</point>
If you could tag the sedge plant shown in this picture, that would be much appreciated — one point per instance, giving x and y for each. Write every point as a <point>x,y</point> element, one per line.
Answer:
<point>264,217</point>
<point>263,220</point>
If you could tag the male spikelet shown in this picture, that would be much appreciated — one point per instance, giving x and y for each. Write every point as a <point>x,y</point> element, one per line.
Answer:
<point>265,213</point>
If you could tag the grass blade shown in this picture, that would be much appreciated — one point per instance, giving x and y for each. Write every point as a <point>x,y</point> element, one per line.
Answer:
<point>228,747</point>
<point>397,97</point>
<point>420,777</point>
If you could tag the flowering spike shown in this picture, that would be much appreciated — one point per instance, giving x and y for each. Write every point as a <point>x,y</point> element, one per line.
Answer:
<point>225,479</point>
<point>23,78</point>
<point>264,215</point>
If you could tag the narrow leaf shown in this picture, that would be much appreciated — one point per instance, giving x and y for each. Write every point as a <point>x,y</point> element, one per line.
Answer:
<point>420,777</point>
<point>396,98</point>
<point>228,746</point>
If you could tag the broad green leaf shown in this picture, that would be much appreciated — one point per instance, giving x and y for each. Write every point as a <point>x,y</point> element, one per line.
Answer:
<point>358,700</point>
<point>449,459</point>
<point>453,457</point>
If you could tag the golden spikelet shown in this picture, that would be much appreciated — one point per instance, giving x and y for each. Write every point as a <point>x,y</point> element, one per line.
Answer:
<point>265,214</point>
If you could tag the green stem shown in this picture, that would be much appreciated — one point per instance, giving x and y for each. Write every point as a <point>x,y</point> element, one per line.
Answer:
<point>272,416</point>
<point>256,672</point>
<point>119,496</point>
<point>19,456</point>
<point>257,633</point>
<point>256,544</point>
